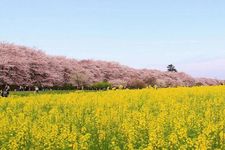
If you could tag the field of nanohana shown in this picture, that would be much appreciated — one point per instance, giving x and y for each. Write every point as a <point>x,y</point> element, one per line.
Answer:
<point>172,118</point>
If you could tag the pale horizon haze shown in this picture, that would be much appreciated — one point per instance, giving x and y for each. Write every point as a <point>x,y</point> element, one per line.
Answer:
<point>142,34</point>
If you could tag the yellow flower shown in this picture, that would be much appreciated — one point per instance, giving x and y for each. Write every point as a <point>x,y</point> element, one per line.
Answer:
<point>167,118</point>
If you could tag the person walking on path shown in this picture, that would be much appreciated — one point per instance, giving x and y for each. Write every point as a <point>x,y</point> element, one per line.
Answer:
<point>5,91</point>
<point>36,89</point>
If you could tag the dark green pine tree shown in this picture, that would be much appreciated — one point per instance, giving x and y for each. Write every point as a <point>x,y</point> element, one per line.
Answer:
<point>171,68</point>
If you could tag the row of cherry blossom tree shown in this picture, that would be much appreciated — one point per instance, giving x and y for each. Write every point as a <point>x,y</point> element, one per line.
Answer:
<point>20,65</point>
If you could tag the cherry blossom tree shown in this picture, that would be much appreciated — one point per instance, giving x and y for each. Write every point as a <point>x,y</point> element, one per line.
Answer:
<point>20,65</point>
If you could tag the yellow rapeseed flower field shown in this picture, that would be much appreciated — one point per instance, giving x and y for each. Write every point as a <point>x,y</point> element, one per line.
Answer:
<point>172,118</point>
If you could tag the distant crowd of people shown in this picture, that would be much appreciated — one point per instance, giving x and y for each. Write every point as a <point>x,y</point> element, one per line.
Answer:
<point>6,89</point>
<point>21,88</point>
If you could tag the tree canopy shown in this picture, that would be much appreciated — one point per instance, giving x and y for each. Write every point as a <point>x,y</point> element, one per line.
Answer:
<point>20,65</point>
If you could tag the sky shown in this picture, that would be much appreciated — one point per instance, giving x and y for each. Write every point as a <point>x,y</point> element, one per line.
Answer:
<point>139,33</point>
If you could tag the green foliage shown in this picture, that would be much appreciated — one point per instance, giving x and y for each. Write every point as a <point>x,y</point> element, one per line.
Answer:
<point>101,85</point>
<point>31,93</point>
<point>64,87</point>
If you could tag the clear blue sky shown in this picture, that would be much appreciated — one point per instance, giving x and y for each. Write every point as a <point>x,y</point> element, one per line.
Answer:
<point>139,33</point>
